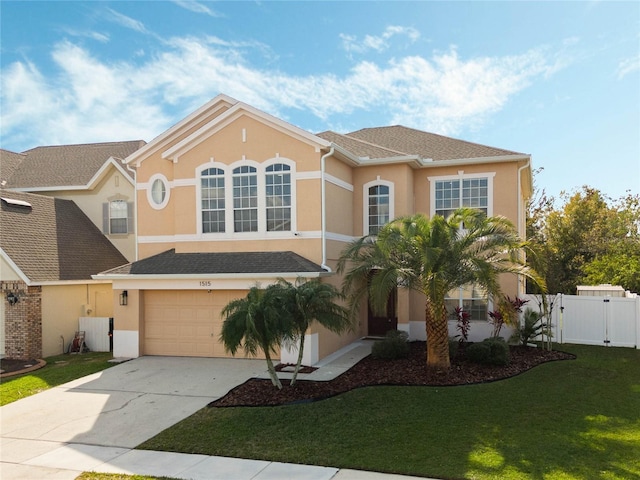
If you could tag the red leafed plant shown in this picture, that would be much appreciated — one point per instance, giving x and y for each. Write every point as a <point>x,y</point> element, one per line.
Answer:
<point>464,323</point>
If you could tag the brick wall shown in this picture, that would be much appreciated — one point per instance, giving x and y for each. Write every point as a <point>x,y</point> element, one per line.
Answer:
<point>23,321</point>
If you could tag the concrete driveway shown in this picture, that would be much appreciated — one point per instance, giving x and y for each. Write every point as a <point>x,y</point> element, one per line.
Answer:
<point>124,405</point>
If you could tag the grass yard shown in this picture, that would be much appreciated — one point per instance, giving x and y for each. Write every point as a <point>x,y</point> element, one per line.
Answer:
<point>577,419</point>
<point>117,476</point>
<point>59,369</point>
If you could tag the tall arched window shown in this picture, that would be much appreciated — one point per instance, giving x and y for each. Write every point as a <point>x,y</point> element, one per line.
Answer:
<point>278,197</point>
<point>378,208</point>
<point>213,204</point>
<point>245,199</point>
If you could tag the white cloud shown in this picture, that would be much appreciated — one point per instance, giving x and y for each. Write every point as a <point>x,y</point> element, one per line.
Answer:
<point>100,37</point>
<point>378,43</point>
<point>125,21</point>
<point>196,7</point>
<point>628,66</point>
<point>87,100</point>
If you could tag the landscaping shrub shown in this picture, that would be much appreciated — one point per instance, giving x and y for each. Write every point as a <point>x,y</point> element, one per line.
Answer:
<point>394,345</point>
<point>491,351</point>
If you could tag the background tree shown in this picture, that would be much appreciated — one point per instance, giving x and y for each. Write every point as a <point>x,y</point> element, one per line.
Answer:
<point>589,240</point>
<point>433,256</point>
<point>309,301</point>
<point>256,323</point>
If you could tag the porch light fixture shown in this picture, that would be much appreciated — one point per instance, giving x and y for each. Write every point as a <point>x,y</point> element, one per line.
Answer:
<point>124,297</point>
<point>12,298</point>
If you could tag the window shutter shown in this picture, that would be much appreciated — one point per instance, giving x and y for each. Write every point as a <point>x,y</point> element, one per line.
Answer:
<point>130,219</point>
<point>105,218</point>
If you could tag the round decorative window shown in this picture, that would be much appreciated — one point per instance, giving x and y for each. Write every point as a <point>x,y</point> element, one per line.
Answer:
<point>158,193</point>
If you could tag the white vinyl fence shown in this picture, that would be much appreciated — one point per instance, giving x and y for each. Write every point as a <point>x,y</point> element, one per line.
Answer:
<point>96,333</point>
<point>607,321</point>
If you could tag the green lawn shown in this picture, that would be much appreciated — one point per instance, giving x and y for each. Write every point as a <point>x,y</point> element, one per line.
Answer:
<point>59,369</point>
<point>117,476</point>
<point>563,420</point>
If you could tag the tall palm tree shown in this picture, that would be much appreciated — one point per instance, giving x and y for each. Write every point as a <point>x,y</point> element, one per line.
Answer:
<point>309,301</point>
<point>434,256</point>
<point>255,323</point>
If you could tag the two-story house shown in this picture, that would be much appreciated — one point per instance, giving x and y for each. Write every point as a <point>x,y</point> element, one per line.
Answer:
<point>231,196</point>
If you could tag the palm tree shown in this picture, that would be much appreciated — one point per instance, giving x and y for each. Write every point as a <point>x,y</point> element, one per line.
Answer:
<point>434,256</point>
<point>309,301</point>
<point>254,323</point>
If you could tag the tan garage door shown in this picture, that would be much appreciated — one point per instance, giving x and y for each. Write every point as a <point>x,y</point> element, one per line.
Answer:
<point>185,323</point>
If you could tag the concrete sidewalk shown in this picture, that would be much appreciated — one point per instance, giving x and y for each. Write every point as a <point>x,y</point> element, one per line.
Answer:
<point>94,423</point>
<point>67,461</point>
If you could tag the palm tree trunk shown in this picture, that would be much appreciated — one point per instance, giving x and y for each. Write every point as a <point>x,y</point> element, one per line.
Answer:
<point>300,353</point>
<point>272,371</point>
<point>437,336</point>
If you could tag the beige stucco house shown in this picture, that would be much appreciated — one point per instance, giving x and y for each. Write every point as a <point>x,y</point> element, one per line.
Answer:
<point>92,175</point>
<point>231,196</point>
<point>49,250</point>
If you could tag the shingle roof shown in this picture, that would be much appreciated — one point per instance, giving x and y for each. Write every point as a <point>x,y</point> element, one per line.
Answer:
<point>358,147</point>
<point>172,263</point>
<point>9,161</point>
<point>427,145</point>
<point>53,239</point>
<point>67,165</point>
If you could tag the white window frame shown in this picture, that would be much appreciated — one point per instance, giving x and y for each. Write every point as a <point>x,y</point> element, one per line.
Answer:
<point>167,189</point>
<point>255,173</point>
<point>365,201</point>
<point>125,218</point>
<point>461,176</point>
<point>262,199</point>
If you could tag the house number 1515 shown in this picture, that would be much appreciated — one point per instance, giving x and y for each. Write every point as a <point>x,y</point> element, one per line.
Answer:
<point>205,283</point>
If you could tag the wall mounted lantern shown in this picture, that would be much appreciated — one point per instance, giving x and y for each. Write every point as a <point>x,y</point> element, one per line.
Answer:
<point>12,298</point>
<point>124,297</point>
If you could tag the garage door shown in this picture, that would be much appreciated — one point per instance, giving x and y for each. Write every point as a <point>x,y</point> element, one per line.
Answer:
<point>185,323</point>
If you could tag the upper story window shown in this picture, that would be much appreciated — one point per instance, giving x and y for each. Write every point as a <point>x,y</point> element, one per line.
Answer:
<point>278,197</point>
<point>378,208</point>
<point>450,193</point>
<point>212,194</point>
<point>117,217</point>
<point>245,199</point>
<point>158,191</point>
<point>378,205</point>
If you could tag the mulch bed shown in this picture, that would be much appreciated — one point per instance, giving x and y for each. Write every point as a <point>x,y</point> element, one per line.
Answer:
<point>407,371</point>
<point>9,366</point>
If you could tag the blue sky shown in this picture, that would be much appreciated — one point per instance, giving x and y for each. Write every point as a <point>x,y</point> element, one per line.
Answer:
<point>557,80</point>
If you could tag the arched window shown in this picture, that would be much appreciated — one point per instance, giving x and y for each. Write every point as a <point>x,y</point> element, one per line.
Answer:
<point>213,204</point>
<point>377,200</point>
<point>245,199</point>
<point>278,197</point>
<point>378,208</point>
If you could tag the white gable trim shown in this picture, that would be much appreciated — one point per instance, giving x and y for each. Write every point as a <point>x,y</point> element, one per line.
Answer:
<point>161,141</point>
<point>15,267</point>
<point>238,110</point>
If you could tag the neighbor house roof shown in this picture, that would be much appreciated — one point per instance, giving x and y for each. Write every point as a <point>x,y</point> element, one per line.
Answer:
<point>9,161</point>
<point>217,263</point>
<point>68,165</point>
<point>427,145</point>
<point>50,239</point>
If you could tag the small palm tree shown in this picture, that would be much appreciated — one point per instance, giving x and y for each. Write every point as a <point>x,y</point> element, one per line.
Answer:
<point>434,256</point>
<point>309,301</point>
<point>256,323</point>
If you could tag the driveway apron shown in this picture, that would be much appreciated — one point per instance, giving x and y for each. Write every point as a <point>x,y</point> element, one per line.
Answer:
<point>127,404</point>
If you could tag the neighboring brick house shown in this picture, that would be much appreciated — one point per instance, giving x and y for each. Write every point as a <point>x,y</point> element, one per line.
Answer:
<point>92,175</point>
<point>229,187</point>
<point>49,249</point>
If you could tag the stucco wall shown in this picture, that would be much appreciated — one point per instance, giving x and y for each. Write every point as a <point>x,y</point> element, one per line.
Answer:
<point>62,305</point>
<point>114,185</point>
